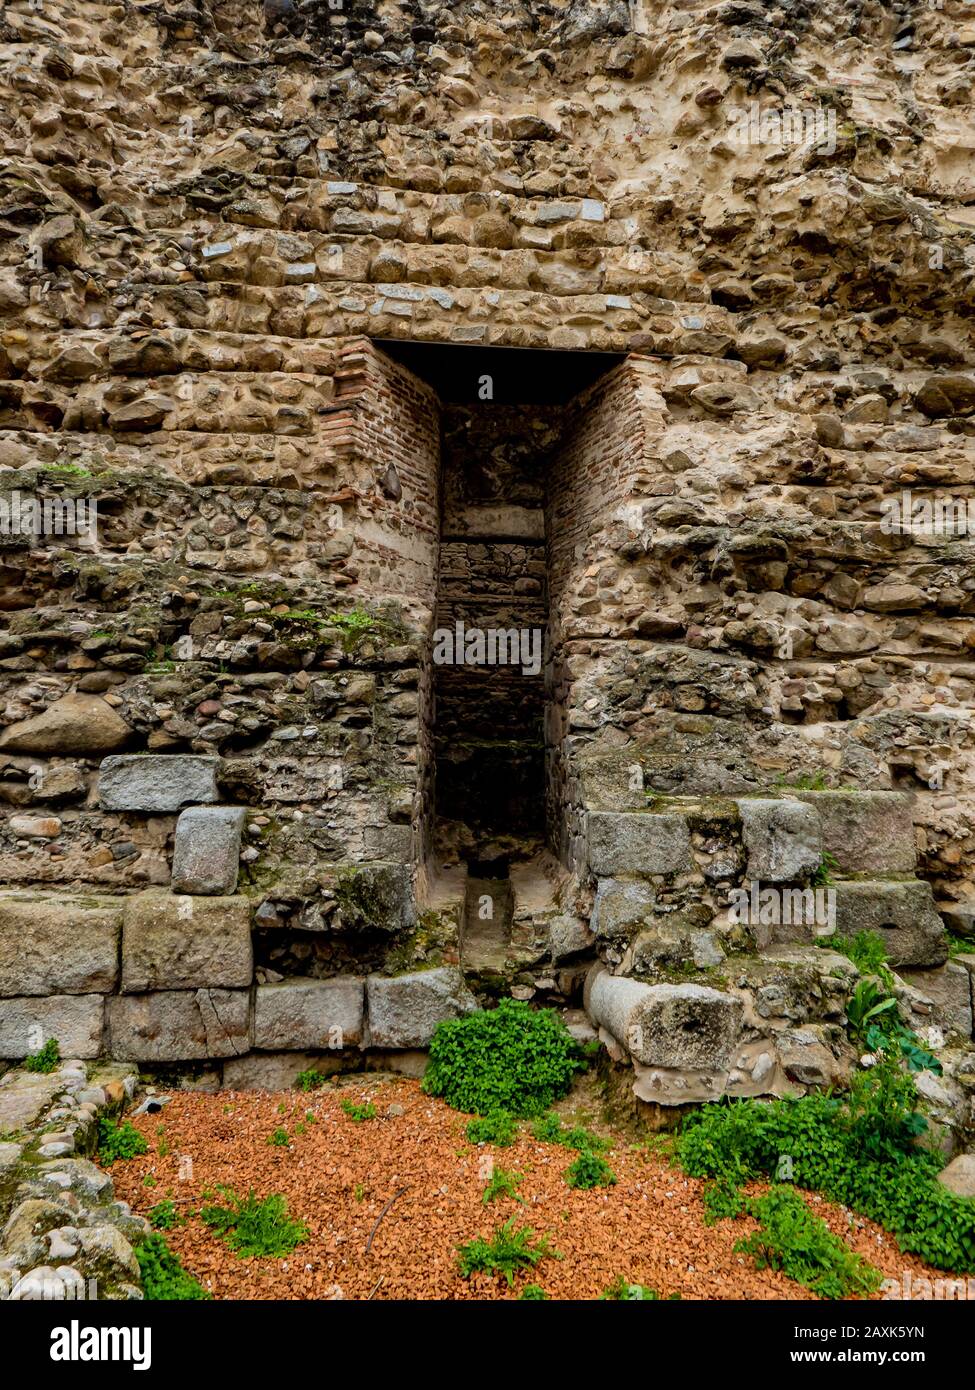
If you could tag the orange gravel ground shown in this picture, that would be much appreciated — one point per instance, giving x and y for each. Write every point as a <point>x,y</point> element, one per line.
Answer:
<point>339,1173</point>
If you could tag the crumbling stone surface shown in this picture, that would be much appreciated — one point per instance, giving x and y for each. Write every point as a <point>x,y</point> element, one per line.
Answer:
<point>155,782</point>
<point>902,914</point>
<point>180,1025</point>
<point>783,840</point>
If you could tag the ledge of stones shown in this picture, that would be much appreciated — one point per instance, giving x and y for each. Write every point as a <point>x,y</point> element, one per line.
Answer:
<point>63,1235</point>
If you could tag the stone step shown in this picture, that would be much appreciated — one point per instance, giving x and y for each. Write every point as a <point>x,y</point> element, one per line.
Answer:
<point>485,940</point>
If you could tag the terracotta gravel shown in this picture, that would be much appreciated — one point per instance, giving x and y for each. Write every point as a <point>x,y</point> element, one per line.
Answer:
<point>338,1175</point>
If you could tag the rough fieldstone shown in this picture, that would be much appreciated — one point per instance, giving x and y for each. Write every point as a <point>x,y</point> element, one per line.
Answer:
<point>689,1027</point>
<point>949,989</point>
<point>404,1010</point>
<point>174,942</point>
<point>24,1095</point>
<point>156,782</point>
<point>314,1014</point>
<point>567,936</point>
<point>637,842</point>
<point>866,832</point>
<point>902,913</point>
<point>960,919</point>
<point>108,1252</point>
<point>206,849</point>
<point>621,908</point>
<point>83,724</point>
<point>180,1025</point>
<point>75,1020</point>
<point>959,1176</point>
<point>782,838</point>
<point>54,944</point>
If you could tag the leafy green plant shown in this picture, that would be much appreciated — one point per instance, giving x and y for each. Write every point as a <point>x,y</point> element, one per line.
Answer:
<point>255,1226</point>
<point>533,1293</point>
<point>549,1129</point>
<point>823,873</point>
<point>722,1200</point>
<point>353,626</point>
<point>502,1183</point>
<point>279,1138</point>
<point>310,1080</point>
<point>791,1238</point>
<point>866,949</point>
<point>882,1111</point>
<point>511,1249</point>
<point>874,1021</point>
<point>498,1128</point>
<point>164,1216</point>
<point>866,1004</point>
<point>589,1170</point>
<point>119,1140</point>
<point>835,1147</point>
<point>163,1277</point>
<point>46,1059</point>
<point>512,1058</point>
<point>622,1291</point>
<point>359,1112</point>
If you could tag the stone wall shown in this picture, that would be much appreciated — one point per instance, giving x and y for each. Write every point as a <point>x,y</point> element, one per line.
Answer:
<point>211,215</point>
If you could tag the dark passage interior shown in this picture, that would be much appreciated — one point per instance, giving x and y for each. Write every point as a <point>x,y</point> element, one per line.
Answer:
<point>489,718</point>
<point>503,413</point>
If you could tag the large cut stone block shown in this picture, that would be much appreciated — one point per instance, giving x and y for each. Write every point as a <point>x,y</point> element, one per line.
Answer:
<point>75,1020</point>
<point>312,1014</point>
<point>902,913</point>
<point>160,782</point>
<point>404,1010</point>
<point>688,1027</point>
<point>180,1025</point>
<point>637,842</point>
<point>621,908</point>
<point>866,832</point>
<point>175,942</point>
<point>206,849</point>
<point>57,944</point>
<point>783,839</point>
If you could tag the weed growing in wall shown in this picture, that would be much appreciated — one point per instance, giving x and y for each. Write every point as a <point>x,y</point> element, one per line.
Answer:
<point>46,1059</point>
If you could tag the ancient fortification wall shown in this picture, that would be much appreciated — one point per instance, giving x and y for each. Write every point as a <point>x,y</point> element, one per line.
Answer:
<point>248,820</point>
